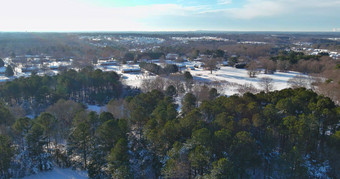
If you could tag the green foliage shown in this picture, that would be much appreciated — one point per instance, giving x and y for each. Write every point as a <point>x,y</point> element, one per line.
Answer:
<point>177,166</point>
<point>213,93</point>
<point>6,118</point>
<point>2,63</point>
<point>188,103</point>
<point>22,125</point>
<point>118,160</point>
<point>6,155</point>
<point>156,69</point>
<point>270,134</point>
<point>9,71</point>
<point>244,151</point>
<point>141,106</point>
<point>170,68</point>
<point>200,159</point>
<point>151,67</point>
<point>91,86</point>
<point>222,169</point>
<point>80,141</point>
<point>294,57</point>
<point>47,121</point>
<point>108,133</point>
<point>36,140</point>
<point>171,91</point>
<point>188,76</point>
<point>335,140</point>
<point>337,66</point>
<point>152,55</point>
<point>232,61</point>
<point>329,81</point>
<point>215,53</point>
<point>222,141</point>
<point>202,137</point>
<point>129,56</point>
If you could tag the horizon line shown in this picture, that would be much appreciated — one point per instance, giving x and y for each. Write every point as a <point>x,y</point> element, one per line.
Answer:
<point>141,31</point>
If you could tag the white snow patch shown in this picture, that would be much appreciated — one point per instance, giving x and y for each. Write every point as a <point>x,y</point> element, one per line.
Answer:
<point>96,108</point>
<point>31,116</point>
<point>60,173</point>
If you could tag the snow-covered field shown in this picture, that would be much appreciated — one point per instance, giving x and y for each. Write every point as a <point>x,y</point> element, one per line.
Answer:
<point>225,75</point>
<point>240,77</point>
<point>59,173</point>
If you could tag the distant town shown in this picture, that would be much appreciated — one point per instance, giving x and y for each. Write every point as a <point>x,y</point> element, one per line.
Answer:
<point>138,46</point>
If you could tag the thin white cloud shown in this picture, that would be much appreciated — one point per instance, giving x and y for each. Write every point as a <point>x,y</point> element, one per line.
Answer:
<point>75,15</point>
<point>224,2</point>
<point>269,8</point>
<point>256,9</point>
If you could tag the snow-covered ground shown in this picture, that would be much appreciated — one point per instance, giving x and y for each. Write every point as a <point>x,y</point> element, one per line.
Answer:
<point>229,77</point>
<point>240,77</point>
<point>59,173</point>
<point>3,78</point>
<point>225,75</point>
<point>96,108</point>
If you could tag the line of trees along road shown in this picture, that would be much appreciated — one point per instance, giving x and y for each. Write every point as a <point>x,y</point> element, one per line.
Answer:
<point>291,133</point>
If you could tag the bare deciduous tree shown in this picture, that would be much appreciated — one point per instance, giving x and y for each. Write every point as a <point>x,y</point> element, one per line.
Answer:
<point>299,81</point>
<point>269,66</point>
<point>158,83</point>
<point>17,111</point>
<point>247,88</point>
<point>211,64</point>
<point>201,92</point>
<point>283,66</point>
<point>252,69</point>
<point>118,108</point>
<point>64,111</point>
<point>266,83</point>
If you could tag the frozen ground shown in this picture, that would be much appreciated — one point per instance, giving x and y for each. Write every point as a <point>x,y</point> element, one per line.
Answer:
<point>3,78</point>
<point>225,75</point>
<point>240,76</point>
<point>96,108</point>
<point>59,173</point>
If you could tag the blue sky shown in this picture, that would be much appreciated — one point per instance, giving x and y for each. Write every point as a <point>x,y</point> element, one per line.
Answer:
<point>169,15</point>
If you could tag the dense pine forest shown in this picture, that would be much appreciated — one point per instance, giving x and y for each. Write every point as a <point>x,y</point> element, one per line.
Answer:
<point>37,92</point>
<point>293,133</point>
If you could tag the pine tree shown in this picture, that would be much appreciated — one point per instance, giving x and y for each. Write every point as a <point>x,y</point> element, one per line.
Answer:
<point>9,71</point>
<point>199,159</point>
<point>222,169</point>
<point>118,160</point>
<point>36,141</point>
<point>6,155</point>
<point>80,141</point>
<point>2,63</point>
<point>188,103</point>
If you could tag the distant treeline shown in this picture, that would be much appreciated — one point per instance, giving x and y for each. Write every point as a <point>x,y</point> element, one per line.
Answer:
<point>87,85</point>
<point>156,69</point>
<point>294,57</point>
